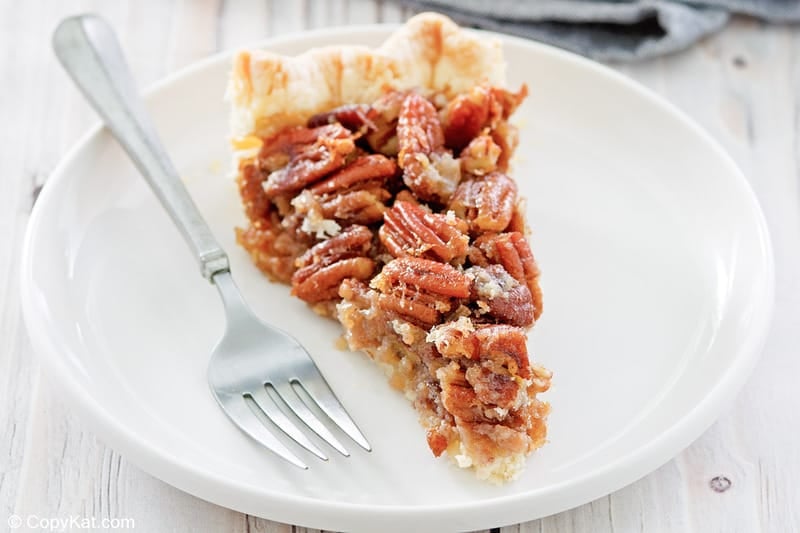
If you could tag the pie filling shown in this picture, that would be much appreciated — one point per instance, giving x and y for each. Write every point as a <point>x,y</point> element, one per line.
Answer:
<point>397,218</point>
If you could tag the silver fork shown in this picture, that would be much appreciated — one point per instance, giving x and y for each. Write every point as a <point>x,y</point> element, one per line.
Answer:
<point>256,369</point>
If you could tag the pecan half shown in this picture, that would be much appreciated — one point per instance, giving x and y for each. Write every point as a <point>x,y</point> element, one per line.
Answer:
<point>293,165</point>
<point>409,229</point>
<point>323,267</point>
<point>365,169</point>
<point>480,156</point>
<point>487,203</point>
<point>457,396</point>
<point>502,296</point>
<point>354,117</point>
<point>500,347</point>
<point>465,116</point>
<point>429,170</point>
<point>477,394</point>
<point>419,130</point>
<point>406,196</point>
<point>364,206</point>
<point>430,276</point>
<point>386,111</point>
<point>512,251</point>
<point>482,107</point>
<point>276,151</point>
<point>420,290</point>
<point>501,390</point>
<point>324,283</point>
<point>356,194</point>
<point>506,346</point>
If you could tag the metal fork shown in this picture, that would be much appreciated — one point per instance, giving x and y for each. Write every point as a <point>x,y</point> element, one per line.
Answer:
<point>255,369</point>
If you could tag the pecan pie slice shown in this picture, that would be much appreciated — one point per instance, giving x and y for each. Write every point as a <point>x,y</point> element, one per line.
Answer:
<point>376,184</point>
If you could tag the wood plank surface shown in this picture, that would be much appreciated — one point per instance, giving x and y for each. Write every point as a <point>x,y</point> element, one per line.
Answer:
<point>743,86</point>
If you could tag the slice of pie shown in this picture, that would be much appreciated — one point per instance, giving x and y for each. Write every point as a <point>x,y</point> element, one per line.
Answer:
<point>375,183</point>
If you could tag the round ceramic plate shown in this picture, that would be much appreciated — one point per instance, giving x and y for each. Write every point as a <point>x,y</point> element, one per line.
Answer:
<point>657,276</point>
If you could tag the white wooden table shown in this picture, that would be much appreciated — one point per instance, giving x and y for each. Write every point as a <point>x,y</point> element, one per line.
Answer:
<point>743,86</point>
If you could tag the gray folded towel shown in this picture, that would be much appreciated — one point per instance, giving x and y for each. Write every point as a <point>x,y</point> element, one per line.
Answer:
<point>612,30</point>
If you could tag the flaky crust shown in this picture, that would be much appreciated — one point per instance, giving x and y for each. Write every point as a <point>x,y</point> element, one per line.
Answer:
<point>269,91</point>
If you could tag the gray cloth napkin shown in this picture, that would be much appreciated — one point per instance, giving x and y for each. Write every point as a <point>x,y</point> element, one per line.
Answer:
<point>612,30</point>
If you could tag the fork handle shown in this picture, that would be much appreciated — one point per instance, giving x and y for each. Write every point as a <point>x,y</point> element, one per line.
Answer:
<point>90,53</point>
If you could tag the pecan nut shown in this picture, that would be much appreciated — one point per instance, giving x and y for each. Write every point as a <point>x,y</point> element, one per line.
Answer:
<point>323,267</point>
<point>458,397</point>
<point>386,109</point>
<point>499,347</point>
<point>354,117</point>
<point>429,170</point>
<point>409,229</point>
<point>480,156</point>
<point>465,116</point>
<point>324,283</point>
<point>293,165</point>
<point>482,107</point>
<point>365,206</point>
<point>487,203</point>
<point>512,251</point>
<point>420,290</point>
<point>357,194</point>
<point>501,296</point>
<point>406,196</point>
<point>478,394</point>
<point>276,151</point>
<point>430,276</point>
<point>505,346</point>
<point>500,390</point>
<point>369,169</point>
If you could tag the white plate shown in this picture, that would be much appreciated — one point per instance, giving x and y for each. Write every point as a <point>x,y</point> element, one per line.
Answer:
<point>658,283</point>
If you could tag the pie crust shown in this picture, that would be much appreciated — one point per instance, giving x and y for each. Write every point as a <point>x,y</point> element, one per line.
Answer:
<point>375,184</point>
<point>269,91</point>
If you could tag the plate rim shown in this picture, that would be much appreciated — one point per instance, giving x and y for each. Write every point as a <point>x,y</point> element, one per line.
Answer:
<point>595,482</point>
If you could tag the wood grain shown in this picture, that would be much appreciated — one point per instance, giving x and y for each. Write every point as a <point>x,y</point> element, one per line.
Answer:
<point>743,86</point>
